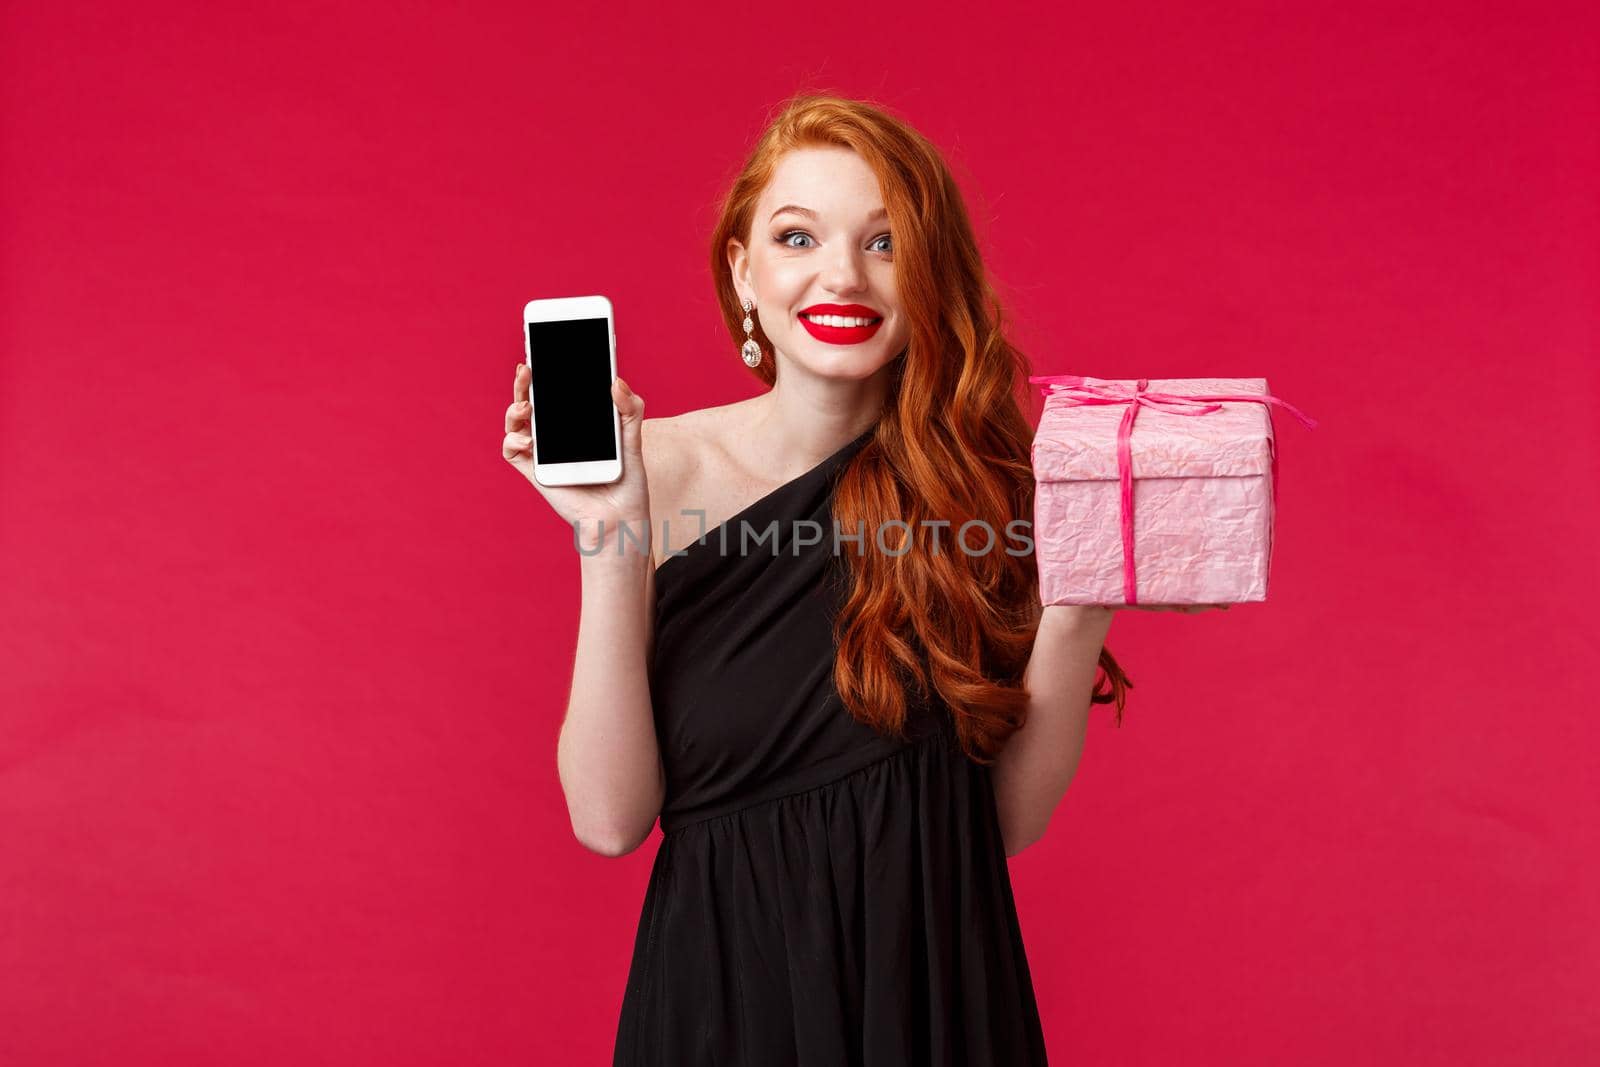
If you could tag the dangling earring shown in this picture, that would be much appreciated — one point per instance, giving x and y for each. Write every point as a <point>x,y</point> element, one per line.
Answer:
<point>751,351</point>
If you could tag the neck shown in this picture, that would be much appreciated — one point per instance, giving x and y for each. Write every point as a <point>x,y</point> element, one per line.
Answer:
<point>806,419</point>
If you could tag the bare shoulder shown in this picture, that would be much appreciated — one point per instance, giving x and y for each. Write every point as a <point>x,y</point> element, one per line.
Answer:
<point>681,445</point>
<point>684,455</point>
<point>666,445</point>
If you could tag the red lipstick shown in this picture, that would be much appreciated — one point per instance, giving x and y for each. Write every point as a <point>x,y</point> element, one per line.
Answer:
<point>841,335</point>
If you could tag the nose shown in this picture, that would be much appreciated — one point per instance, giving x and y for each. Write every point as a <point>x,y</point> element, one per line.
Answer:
<point>843,273</point>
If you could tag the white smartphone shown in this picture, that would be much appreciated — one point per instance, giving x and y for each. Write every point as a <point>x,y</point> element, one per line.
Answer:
<point>572,356</point>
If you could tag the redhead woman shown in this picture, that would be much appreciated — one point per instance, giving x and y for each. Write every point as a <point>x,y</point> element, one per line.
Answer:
<point>843,719</point>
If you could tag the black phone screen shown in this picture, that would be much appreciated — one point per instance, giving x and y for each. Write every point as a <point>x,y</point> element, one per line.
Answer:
<point>571,391</point>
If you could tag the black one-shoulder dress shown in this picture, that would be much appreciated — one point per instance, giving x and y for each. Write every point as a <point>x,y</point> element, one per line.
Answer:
<point>822,894</point>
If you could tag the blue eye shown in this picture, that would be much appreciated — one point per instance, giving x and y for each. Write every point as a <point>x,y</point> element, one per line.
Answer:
<point>783,239</point>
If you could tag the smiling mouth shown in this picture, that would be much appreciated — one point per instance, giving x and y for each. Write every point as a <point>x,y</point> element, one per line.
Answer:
<point>850,320</point>
<point>841,335</point>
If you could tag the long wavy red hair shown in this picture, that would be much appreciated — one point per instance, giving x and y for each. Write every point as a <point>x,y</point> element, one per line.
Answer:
<point>953,444</point>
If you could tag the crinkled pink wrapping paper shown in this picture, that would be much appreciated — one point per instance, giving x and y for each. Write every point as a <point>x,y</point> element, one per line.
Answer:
<point>1202,498</point>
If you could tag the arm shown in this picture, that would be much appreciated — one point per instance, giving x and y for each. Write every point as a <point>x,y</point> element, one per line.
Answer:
<point>1032,772</point>
<point>607,755</point>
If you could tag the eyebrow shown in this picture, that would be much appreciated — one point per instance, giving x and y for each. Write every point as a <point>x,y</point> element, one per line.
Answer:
<point>881,213</point>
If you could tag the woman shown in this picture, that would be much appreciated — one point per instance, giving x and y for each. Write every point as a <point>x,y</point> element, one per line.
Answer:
<point>829,728</point>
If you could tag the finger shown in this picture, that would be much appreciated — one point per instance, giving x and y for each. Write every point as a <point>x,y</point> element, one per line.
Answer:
<point>516,446</point>
<point>518,417</point>
<point>630,408</point>
<point>519,386</point>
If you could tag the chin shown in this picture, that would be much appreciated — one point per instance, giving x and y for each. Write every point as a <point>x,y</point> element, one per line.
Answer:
<point>842,362</point>
<point>851,368</point>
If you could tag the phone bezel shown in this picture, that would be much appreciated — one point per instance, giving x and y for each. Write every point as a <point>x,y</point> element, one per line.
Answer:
<point>561,309</point>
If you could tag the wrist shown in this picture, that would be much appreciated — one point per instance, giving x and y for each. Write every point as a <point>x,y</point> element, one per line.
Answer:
<point>611,538</point>
<point>1078,617</point>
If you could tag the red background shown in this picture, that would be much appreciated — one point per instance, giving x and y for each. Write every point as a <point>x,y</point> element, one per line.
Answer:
<point>284,644</point>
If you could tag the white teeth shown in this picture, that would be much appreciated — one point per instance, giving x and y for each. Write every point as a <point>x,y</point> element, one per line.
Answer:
<point>837,320</point>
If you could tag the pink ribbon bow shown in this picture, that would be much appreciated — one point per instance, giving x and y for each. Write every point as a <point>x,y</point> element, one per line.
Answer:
<point>1078,390</point>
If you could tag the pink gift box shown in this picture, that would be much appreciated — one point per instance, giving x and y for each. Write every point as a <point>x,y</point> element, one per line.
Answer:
<point>1154,491</point>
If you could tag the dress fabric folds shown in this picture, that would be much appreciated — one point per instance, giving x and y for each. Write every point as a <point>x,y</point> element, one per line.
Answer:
<point>822,894</point>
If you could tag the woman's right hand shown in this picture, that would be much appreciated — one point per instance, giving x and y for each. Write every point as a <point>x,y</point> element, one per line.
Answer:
<point>624,501</point>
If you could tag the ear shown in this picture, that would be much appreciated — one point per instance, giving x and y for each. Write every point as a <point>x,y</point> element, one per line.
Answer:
<point>739,267</point>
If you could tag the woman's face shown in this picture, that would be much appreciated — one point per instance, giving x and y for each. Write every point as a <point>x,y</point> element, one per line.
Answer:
<point>836,251</point>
